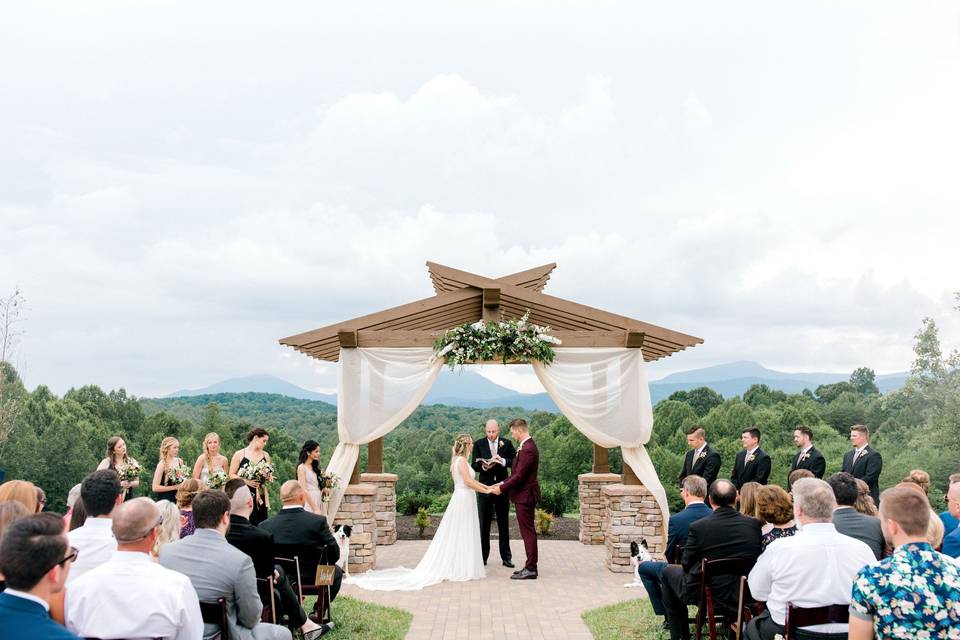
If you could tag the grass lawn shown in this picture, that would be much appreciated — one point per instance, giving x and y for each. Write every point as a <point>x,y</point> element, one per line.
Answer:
<point>630,620</point>
<point>360,620</point>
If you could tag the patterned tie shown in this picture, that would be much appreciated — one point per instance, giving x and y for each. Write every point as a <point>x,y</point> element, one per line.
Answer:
<point>493,448</point>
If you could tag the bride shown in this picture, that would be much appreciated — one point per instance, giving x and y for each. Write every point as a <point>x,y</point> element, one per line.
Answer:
<point>454,553</point>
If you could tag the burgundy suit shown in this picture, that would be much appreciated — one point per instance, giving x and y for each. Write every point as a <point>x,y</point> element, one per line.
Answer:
<point>524,491</point>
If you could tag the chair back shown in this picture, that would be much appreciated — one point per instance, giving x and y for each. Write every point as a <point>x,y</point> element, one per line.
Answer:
<point>265,587</point>
<point>216,613</point>
<point>804,617</point>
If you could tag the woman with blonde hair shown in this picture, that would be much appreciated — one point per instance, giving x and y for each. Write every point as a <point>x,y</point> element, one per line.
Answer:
<point>920,478</point>
<point>169,527</point>
<point>865,503</point>
<point>454,553</point>
<point>170,472</point>
<point>185,495</point>
<point>748,498</point>
<point>117,459</point>
<point>211,460</point>
<point>20,491</point>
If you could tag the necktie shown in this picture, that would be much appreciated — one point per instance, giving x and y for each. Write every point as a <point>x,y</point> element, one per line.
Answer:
<point>493,448</point>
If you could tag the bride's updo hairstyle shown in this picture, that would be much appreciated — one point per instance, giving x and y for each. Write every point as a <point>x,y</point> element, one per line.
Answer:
<point>462,444</point>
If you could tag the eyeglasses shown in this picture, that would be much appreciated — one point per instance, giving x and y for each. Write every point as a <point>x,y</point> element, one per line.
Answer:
<point>72,557</point>
<point>146,533</point>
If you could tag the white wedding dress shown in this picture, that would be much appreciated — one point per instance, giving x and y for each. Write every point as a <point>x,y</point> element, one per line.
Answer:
<point>454,553</point>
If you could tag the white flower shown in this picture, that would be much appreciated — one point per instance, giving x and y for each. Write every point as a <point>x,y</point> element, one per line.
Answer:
<point>549,339</point>
<point>447,349</point>
<point>478,325</point>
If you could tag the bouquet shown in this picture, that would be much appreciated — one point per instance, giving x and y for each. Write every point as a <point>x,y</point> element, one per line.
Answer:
<point>129,471</point>
<point>177,474</point>
<point>330,482</point>
<point>217,479</point>
<point>261,472</point>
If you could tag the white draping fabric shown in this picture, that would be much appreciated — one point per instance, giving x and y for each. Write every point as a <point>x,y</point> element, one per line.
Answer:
<point>376,390</point>
<point>604,394</point>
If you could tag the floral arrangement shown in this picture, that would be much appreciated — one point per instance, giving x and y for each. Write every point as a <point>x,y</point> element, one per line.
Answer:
<point>329,481</point>
<point>261,472</point>
<point>509,340</point>
<point>217,479</point>
<point>129,471</point>
<point>177,473</point>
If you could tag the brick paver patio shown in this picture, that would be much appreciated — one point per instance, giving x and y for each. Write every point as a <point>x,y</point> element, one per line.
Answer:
<point>573,579</point>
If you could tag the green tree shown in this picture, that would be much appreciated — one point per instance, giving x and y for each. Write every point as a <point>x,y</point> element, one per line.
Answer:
<point>827,393</point>
<point>760,395</point>
<point>701,399</point>
<point>863,380</point>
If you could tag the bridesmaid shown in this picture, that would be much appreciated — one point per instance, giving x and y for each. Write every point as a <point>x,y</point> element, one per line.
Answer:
<point>117,458</point>
<point>308,475</point>
<point>163,488</point>
<point>252,454</point>
<point>210,460</point>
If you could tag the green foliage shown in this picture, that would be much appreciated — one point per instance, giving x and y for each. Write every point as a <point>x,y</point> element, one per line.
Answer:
<point>555,498</point>
<point>422,521</point>
<point>760,395</point>
<point>864,381</point>
<point>508,340</point>
<point>827,393</point>
<point>701,399</point>
<point>409,503</point>
<point>544,521</point>
<point>439,504</point>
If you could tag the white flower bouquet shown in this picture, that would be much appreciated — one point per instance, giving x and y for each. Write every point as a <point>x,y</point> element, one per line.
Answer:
<point>217,479</point>
<point>509,340</point>
<point>261,472</point>
<point>177,474</point>
<point>129,471</point>
<point>330,481</point>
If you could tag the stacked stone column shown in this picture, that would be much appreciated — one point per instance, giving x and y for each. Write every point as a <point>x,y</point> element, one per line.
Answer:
<point>592,507</point>
<point>358,509</point>
<point>385,504</point>
<point>631,513</point>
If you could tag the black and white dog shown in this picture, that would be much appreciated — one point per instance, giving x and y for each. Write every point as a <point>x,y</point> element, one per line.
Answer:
<point>341,533</point>
<point>638,553</point>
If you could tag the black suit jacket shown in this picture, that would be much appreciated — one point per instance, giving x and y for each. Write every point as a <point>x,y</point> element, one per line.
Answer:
<point>868,469</point>
<point>708,467</point>
<point>307,535</point>
<point>815,462</point>
<point>256,543</point>
<point>724,534</point>
<point>481,451</point>
<point>757,470</point>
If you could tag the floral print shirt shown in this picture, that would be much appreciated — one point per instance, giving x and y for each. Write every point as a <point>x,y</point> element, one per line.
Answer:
<point>914,593</point>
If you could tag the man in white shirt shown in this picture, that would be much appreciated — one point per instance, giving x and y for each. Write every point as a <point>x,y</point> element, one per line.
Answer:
<point>130,596</point>
<point>814,568</point>
<point>101,494</point>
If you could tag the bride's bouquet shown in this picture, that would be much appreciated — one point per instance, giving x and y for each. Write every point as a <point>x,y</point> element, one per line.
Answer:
<point>129,471</point>
<point>330,481</point>
<point>261,472</point>
<point>177,474</point>
<point>217,479</point>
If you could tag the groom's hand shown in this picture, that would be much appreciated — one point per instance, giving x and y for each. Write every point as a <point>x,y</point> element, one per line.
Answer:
<point>495,489</point>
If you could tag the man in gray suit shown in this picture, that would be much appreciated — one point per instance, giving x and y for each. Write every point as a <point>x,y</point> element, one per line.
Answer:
<point>218,569</point>
<point>851,522</point>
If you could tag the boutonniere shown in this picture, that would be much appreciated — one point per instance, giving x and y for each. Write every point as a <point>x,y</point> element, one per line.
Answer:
<point>750,458</point>
<point>703,454</point>
<point>499,443</point>
<point>804,456</point>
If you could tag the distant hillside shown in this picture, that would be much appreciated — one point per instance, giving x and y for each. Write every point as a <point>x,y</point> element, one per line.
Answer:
<point>257,384</point>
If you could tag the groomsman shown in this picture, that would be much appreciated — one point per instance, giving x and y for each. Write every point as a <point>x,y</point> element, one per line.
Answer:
<point>863,461</point>
<point>752,464</point>
<point>493,447</point>
<point>701,460</point>
<point>808,457</point>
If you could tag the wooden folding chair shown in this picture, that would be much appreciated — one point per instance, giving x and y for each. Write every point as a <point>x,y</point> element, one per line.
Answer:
<point>216,613</point>
<point>804,617</point>
<point>707,609</point>
<point>267,585</point>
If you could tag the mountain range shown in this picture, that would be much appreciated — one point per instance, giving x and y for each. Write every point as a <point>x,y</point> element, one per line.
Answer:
<point>470,389</point>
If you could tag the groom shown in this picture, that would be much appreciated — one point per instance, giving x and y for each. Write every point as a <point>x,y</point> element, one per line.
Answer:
<point>524,493</point>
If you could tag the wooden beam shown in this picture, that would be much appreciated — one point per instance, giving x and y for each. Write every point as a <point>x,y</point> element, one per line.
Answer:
<point>348,339</point>
<point>355,475</point>
<point>629,477</point>
<point>444,278</point>
<point>491,297</point>
<point>601,459</point>
<point>635,339</point>
<point>375,456</point>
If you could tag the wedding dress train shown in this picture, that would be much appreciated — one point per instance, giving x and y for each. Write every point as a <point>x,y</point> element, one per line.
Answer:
<point>454,553</point>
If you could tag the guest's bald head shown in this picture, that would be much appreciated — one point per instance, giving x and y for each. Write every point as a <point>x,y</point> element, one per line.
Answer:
<point>723,493</point>
<point>134,522</point>
<point>291,492</point>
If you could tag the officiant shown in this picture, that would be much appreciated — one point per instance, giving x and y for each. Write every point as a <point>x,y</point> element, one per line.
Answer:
<point>492,457</point>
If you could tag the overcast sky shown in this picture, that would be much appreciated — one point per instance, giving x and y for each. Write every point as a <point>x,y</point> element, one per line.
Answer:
<point>182,184</point>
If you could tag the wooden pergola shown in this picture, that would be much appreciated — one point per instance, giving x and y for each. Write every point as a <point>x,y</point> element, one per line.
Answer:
<point>463,297</point>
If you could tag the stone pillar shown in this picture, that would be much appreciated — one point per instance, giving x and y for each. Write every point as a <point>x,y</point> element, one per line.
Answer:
<point>358,510</point>
<point>592,509</point>
<point>385,504</point>
<point>632,514</point>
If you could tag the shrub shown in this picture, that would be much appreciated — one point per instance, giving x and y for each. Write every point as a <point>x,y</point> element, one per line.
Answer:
<point>554,498</point>
<point>422,521</point>
<point>410,503</point>
<point>439,504</point>
<point>543,521</point>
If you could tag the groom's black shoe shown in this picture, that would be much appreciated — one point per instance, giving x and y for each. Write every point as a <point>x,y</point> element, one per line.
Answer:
<point>507,563</point>
<point>524,574</point>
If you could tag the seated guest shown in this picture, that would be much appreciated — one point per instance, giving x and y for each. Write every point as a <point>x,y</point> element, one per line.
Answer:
<point>951,517</point>
<point>848,520</point>
<point>35,559</point>
<point>951,543</point>
<point>72,497</point>
<point>219,570</point>
<point>865,503</point>
<point>914,592</point>
<point>78,516</point>
<point>748,498</point>
<point>258,544</point>
<point>20,491</point>
<point>188,489</point>
<point>723,534</point>
<point>775,508</point>
<point>41,500</point>
<point>130,596</point>
<point>9,512</point>
<point>693,492</point>
<point>100,493</point>
<point>796,474</point>
<point>307,535</point>
<point>934,526</point>
<point>785,573</point>
<point>169,527</point>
